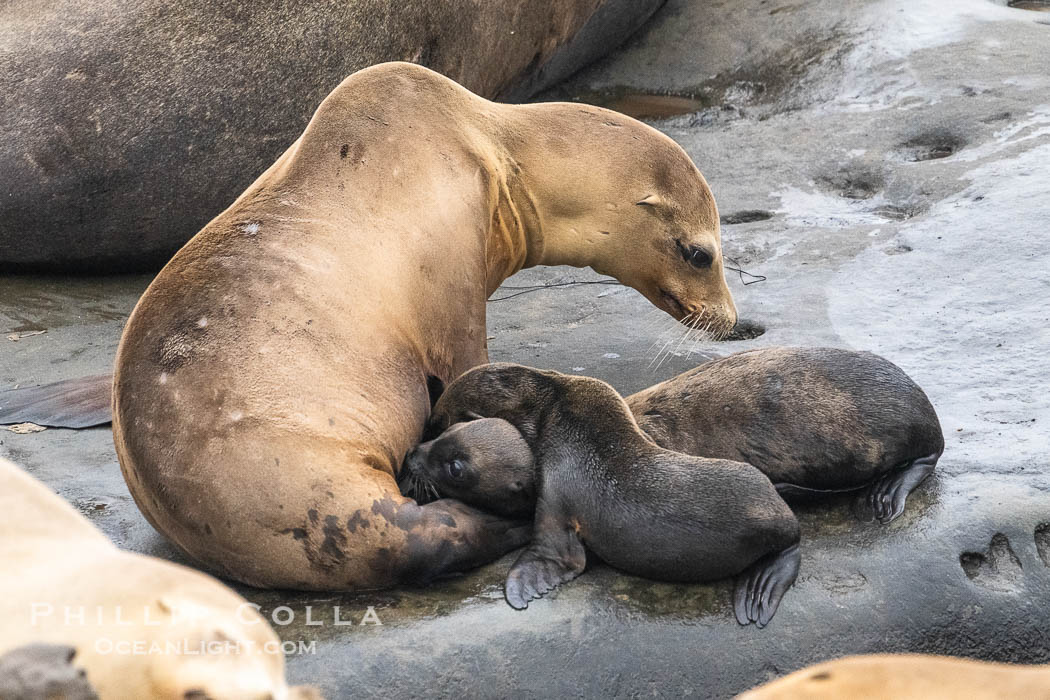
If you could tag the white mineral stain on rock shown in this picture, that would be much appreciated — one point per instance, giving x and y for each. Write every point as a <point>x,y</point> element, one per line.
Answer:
<point>964,312</point>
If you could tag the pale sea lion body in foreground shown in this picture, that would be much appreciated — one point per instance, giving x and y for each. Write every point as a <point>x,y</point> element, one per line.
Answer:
<point>908,677</point>
<point>639,507</point>
<point>811,419</point>
<point>273,376</point>
<point>122,613</point>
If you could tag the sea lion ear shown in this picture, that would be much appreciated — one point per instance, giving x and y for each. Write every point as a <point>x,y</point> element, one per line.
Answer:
<point>517,486</point>
<point>650,201</point>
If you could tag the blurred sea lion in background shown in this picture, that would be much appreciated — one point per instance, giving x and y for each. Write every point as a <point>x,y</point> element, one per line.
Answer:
<point>129,123</point>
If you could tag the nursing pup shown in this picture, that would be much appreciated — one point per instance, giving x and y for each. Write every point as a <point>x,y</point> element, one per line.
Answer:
<point>601,482</point>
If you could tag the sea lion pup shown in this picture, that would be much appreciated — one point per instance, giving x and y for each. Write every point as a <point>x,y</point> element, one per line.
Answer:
<point>273,376</point>
<point>140,627</point>
<point>483,462</point>
<point>639,507</point>
<point>811,419</point>
<point>908,677</point>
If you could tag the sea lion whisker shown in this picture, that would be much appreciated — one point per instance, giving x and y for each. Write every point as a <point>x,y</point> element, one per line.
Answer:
<point>664,353</point>
<point>668,332</point>
<point>660,338</point>
<point>685,336</point>
<point>659,353</point>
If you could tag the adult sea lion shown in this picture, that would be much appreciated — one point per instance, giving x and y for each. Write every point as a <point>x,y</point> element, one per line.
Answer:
<point>129,123</point>
<point>908,677</point>
<point>811,419</point>
<point>275,373</point>
<point>139,627</point>
<point>603,483</point>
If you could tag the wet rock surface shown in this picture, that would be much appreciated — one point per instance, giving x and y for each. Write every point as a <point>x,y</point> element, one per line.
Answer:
<point>902,152</point>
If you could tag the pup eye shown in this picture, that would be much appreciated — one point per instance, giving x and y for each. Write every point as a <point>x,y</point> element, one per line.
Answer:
<point>454,469</point>
<point>697,257</point>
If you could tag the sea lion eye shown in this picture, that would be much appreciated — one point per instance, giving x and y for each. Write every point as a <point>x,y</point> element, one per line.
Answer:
<point>697,257</point>
<point>454,469</point>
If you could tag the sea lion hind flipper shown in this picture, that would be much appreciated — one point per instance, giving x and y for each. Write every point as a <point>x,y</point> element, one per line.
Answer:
<point>554,558</point>
<point>72,403</point>
<point>884,500</point>
<point>761,586</point>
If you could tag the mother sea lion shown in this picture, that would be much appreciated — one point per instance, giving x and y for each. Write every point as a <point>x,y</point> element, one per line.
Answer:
<point>603,483</point>
<point>140,627</point>
<point>811,419</point>
<point>275,373</point>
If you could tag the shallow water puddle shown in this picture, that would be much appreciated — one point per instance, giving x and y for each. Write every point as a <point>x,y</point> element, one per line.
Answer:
<point>1034,5</point>
<point>643,105</point>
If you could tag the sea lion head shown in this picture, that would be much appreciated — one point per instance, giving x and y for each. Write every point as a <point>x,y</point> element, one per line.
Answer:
<point>618,196</point>
<point>484,462</point>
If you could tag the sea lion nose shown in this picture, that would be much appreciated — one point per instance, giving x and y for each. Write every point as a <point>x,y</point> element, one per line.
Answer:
<point>414,460</point>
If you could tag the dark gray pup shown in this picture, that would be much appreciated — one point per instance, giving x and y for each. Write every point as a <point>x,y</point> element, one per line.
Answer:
<point>811,419</point>
<point>484,463</point>
<point>603,483</point>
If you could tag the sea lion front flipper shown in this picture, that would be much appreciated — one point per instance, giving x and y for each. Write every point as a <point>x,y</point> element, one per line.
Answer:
<point>761,586</point>
<point>885,499</point>
<point>555,556</point>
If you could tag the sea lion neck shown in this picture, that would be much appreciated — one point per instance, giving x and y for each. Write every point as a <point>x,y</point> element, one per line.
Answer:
<point>559,182</point>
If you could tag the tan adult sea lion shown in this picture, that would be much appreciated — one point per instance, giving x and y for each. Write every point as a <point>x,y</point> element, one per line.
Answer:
<point>140,627</point>
<point>275,373</point>
<point>908,677</point>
